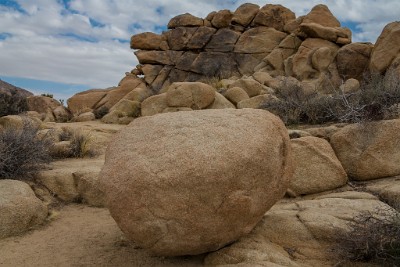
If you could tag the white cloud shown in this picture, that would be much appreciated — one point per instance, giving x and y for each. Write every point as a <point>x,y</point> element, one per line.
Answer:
<point>48,41</point>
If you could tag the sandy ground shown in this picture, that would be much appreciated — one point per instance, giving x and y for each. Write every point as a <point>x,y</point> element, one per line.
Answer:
<point>81,236</point>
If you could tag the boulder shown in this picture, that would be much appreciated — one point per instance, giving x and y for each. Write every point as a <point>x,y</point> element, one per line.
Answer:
<point>350,86</point>
<point>320,14</point>
<point>176,109</point>
<point>42,104</point>
<point>62,114</point>
<point>322,58</point>
<point>200,38</point>
<point>168,57</point>
<point>223,40</point>
<point>150,72</point>
<point>194,95</point>
<point>20,209</point>
<point>245,14</point>
<point>249,85</point>
<point>274,16</point>
<point>386,48</point>
<point>236,94</point>
<point>17,122</point>
<point>179,37</point>
<point>220,102</point>
<point>139,94</point>
<point>128,107</point>
<point>387,189</point>
<point>369,150</point>
<point>314,30</point>
<point>317,168</point>
<point>215,64</point>
<point>222,19</point>
<point>147,41</point>
<point>352,60</point>
<point>256,101</point>
<point>259,40</point>
<point>298,233</point>
<point>87,99</point>
<point>185,20</point>
<point>86,116</point>
<point>154,105</point>
<point>172,189</point>
<point>88,187</point>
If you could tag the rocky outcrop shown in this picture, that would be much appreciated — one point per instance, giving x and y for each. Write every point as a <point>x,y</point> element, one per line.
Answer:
<point>299,233</point>
<point>20,209</point>
<point>191,182</point>
<point>227,44</point>
<point>49,108</point>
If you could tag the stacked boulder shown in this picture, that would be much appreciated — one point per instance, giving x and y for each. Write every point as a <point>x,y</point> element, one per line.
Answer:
<point>227,44</point>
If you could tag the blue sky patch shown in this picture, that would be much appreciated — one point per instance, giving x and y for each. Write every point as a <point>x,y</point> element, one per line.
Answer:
<point>96,24</point>
<point>353,26</point>
<point>5,35</point>
<point>12,5</point>
<point>160,29</point>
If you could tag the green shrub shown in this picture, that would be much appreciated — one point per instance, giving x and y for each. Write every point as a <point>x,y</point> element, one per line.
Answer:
<point>22,152</point>
<point>373,237</point>
<point>47,95</point>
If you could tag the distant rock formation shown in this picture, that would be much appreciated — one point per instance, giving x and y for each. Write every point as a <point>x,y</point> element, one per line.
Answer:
<point>247,56</point>
<point>12,99</point>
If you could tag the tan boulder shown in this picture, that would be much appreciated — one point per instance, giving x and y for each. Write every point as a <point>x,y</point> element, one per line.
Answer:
<point>249,85</point>
<point>194,95</point>
<point>350,86</point>
<point>322,58</point>
<point>386,48</point>
<point>185,20</point>
<point>42,104</point>
<point>302,69</point>
<point>62,114</point>
<point>236,94</point>
<point>130,108</point>
<point>274,16</point>
<point>17,122</point>
<point>387,189</point>
<point>299,232</point>
<point>262,77</point>
<point>321,14</point>
<point>150,72</point>
<point>168,57</point>
<point>20,209</point>
<point>139,94</point>
<point>87,99</point>
<point>147,41</point>
<point>154,105</point>
<point>332,34</point>
<point>222,19</point>
<point>86,116</point>
<point>369,150</point>
<point>256,101</point>
<point>179,37</point>
<point>259,40</point>
<point>245,14</point>
<point>317,168</point>
<point>220,102</point>
<point>176,109</point>
<point>352,60</point>
<point>168,196</point>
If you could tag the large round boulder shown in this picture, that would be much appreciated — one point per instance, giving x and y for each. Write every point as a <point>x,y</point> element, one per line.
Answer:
<point>190,182</point>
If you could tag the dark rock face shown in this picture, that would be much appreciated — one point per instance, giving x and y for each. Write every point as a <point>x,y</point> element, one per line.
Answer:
<point>12,99</point>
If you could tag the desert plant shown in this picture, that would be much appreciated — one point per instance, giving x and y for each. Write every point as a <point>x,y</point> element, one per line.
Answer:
<point>22,152</point>
<point>81,144</point>
<point>12,104</point>
<point>374,237</point>
<point>47,95</point>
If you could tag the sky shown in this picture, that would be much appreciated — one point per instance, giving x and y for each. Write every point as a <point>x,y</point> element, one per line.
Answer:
<point>66,46</point>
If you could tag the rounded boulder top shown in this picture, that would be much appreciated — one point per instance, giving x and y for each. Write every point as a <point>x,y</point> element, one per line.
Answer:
<point>190,182</point>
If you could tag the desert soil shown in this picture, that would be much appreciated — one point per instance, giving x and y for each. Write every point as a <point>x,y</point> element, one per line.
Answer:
<point>79,235</point>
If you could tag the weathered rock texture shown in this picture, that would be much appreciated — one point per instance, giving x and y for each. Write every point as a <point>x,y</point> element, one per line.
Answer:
<point>192,182</point>
<point>20,209</point>
<point>369,151</point>
<point>226,44</point>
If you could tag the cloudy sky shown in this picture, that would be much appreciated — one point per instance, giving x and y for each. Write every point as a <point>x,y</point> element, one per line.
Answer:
<point>66,46</point>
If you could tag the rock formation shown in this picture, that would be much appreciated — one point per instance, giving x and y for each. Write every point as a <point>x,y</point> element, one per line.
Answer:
<point>192,182</point>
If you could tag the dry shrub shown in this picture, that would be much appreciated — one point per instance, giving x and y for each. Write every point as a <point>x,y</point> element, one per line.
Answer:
<point>75,143</point>
<point>101,112</point>
<point>374,238</point>
<point>378,99</point>
<point>22,152</point>
<point>12,104</point>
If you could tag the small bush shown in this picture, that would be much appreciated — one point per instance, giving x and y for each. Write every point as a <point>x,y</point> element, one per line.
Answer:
<point>12,104</point>
<point>47,95</point>
<point>22,152</point>
<point>80,144</point>
<point>374,237</point>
